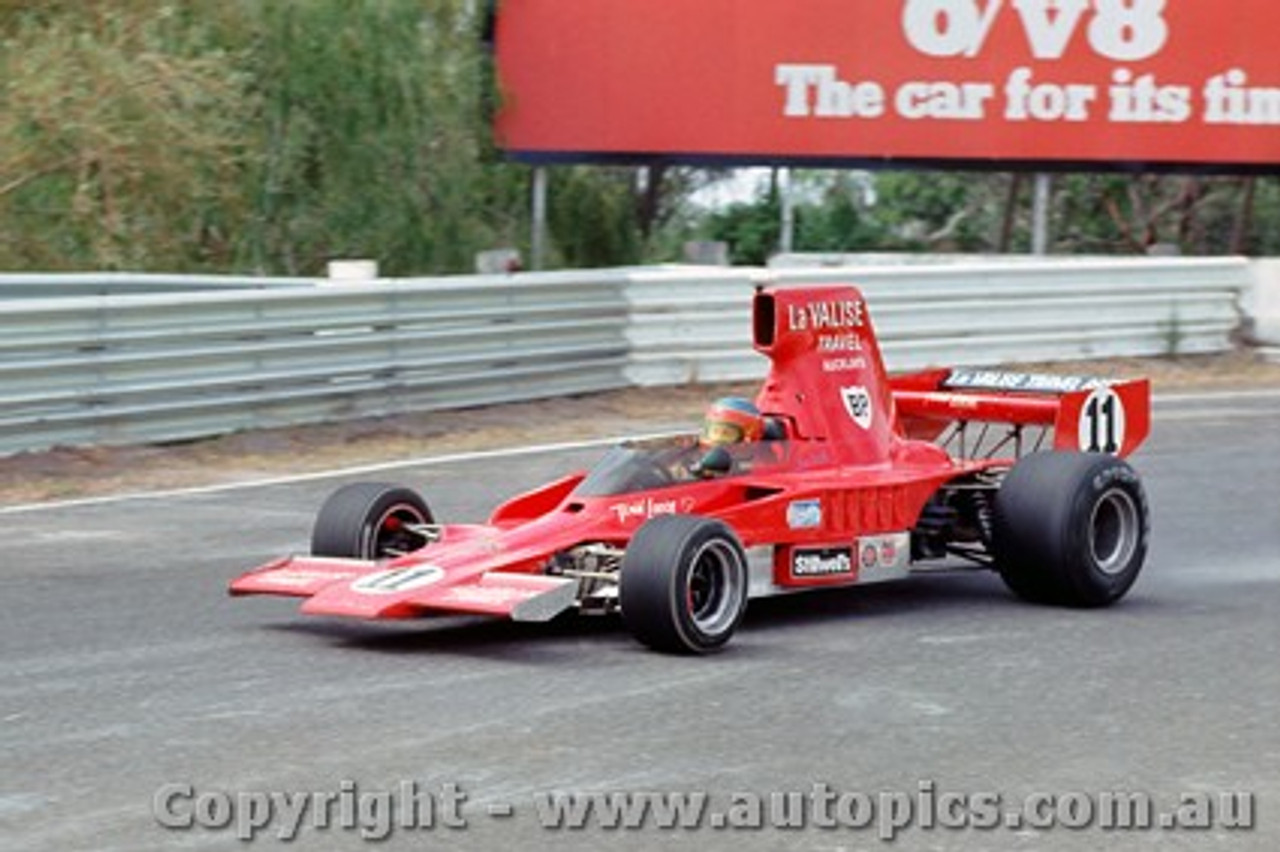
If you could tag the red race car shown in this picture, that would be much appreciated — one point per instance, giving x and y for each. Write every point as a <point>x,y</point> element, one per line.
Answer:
<point>835,475</point>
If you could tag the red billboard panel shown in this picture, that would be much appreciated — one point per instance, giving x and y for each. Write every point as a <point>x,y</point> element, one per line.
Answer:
<point>1159,82</point>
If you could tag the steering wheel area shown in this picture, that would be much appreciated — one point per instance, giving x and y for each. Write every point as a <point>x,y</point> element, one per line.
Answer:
<point>649,474</point>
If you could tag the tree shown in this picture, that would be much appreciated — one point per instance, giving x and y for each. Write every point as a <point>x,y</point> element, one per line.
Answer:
<point>121,138</point>
<point>834,215</point>
<point>1116,213</point>
<point>593,217</point>
<point>752,230</point>
<point>260,136</point>
<point>373,138</point>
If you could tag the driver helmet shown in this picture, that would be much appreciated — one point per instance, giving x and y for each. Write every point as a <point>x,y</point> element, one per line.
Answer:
<point>731,420</point>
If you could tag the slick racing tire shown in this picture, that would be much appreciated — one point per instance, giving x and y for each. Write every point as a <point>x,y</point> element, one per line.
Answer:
<point>683,587</point>
<point>370,521</point>
<point>1070,528</point>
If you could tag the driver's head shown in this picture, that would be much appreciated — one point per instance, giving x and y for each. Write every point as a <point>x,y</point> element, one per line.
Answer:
<point>731,420</point>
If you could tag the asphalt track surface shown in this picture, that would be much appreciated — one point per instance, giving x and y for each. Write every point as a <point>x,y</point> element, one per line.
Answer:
<point>124,667</point>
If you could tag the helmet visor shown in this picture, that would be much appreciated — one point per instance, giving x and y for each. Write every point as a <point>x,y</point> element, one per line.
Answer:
<point>721,432</point>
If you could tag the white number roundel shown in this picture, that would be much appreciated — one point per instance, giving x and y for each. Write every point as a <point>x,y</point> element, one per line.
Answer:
<point>1102,422</point>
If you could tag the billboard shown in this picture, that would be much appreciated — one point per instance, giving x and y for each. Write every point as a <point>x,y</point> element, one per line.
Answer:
<point>1163,83</point>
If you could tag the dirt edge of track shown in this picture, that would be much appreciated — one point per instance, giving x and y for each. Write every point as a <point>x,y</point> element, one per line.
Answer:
<point>69,473</point>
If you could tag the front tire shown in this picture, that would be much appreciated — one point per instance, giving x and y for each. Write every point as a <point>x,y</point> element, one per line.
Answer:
<point>1071,528</point>
<point>369,521</point>
<point>683,586</point>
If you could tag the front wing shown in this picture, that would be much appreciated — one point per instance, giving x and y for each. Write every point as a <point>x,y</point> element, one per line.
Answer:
<point>359,589</point>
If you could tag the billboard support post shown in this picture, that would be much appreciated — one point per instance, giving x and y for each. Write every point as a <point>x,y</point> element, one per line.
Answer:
<point>538,249</point>
<point>786,239</point>
<point>1040,214</point>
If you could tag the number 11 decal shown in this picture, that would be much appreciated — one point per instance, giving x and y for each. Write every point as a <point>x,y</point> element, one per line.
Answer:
<point>1102,422</point>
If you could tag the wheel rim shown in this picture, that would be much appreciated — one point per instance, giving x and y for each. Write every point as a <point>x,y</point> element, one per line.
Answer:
<point>1114,531</point>
<point>391,536</point>
<point>713,589</point>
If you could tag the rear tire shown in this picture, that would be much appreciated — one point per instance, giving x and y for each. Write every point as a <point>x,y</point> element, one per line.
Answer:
<point>683,586</point>
<point>1071,528</point>
<point>366,520</point>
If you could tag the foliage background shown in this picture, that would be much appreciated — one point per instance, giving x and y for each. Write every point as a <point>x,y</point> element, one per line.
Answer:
<point>270,137</point>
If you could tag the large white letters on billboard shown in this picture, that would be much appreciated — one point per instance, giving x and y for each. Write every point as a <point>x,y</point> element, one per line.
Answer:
<point>1113,29</point>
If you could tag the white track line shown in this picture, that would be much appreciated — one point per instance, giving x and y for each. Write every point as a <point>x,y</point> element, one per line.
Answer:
<point>336,473</point>
<point>1214,396</point>
<point>481,455</point>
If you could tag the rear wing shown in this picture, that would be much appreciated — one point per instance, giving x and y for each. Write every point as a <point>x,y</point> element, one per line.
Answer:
<point>991,414</point>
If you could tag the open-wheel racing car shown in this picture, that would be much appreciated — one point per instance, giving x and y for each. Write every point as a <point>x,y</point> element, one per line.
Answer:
<point>854,478</point>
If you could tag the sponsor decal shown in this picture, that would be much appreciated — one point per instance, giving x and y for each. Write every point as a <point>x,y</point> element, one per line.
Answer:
<point>953,400</point>
<point>835,315</point>
<point>869,556</point>
<point>884,552</point>
<point>646,508</point>
<point>1102,422</point>
<point>857,401</point>
<point>488,546</point>
<point>484,595</point>
<point>303,577</point>
<point>398,580</point>
<point>823,562</point>
<point>804,514</point>
<point>1026,382</point>
<point>844,365</point>
<point>839,343</point>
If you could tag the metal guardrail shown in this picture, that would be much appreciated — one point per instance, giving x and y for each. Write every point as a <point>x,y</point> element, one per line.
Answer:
<point>694,327</point>
<point>44,285</point>
<point>128,369</point>
<point>205,360</point>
